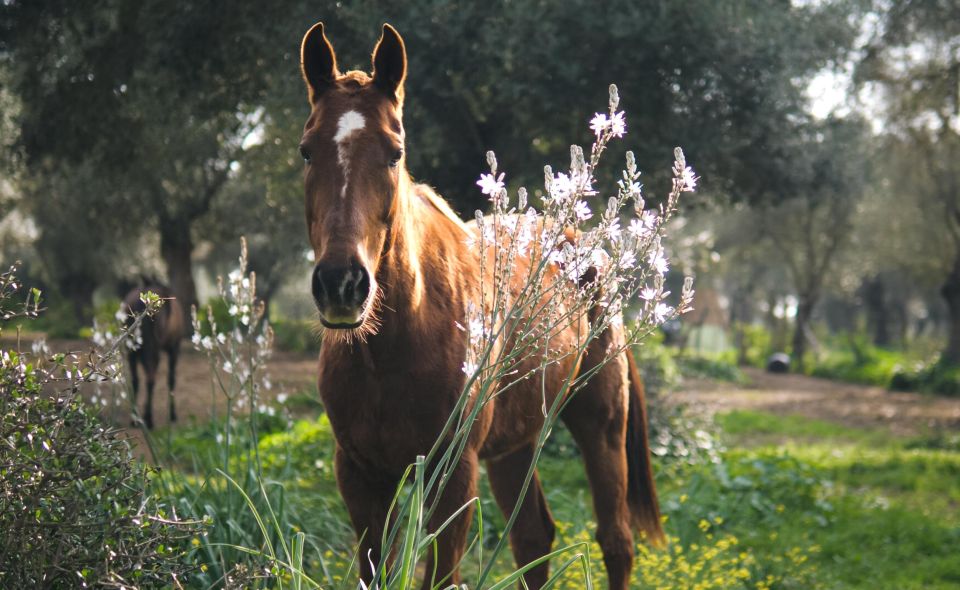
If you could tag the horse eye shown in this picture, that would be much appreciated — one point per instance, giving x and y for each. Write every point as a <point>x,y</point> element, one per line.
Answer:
<point>395,160</point>
<point>305,154</point>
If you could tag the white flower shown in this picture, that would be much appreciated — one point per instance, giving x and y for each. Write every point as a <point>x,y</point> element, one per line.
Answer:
<point>469,368</point>
<point>688,180</point>
<point>227,367</point>
<point>121,315</point>
<point>618,125</point>
<point>281,398</point>
<point>195,339</point>
<point>637,228</point>
<point>207,343</point>
<point>582,211</point>
<point>660,312</point>
<point>40,347</point>
<point>221,338</point>
<point>234,310</point>
<point>648,293</point>
<point>490,185</point>
<point>649,219</point>
<point>524,237</point>
<point>599,258</point>
<point>658,260</point>
<point>613,229</point>
<point>562,187</point>
<point>628,259</point>
<point>599,123</point>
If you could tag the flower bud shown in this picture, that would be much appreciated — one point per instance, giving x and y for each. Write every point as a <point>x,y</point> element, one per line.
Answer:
<point>614,98</point>
<point>492,161</point>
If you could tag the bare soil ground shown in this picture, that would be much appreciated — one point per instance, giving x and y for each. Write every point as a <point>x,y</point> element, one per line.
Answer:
<point>290,373</point>
<point>844,403</point>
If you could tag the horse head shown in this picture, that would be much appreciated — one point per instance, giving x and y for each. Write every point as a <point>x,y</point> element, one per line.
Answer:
<point>354,172</point>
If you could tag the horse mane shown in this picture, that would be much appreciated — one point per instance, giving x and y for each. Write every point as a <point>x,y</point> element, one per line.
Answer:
<point>431,197</point>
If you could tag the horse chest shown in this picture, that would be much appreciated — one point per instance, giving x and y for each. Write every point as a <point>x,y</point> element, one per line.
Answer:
<point>384,420</point>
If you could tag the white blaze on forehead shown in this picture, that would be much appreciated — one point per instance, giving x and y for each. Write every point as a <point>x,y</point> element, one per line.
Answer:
<point>350,122</point>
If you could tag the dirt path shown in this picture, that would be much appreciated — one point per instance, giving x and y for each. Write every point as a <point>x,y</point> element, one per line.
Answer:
<point>844,403</point>
<point>290,374</point>
<point>848,404</point>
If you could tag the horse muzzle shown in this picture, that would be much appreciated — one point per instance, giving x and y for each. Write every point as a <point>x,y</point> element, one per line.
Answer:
<point>341,294</point>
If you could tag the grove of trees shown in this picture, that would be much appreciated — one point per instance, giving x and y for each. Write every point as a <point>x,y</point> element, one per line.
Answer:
<point>144,137</point>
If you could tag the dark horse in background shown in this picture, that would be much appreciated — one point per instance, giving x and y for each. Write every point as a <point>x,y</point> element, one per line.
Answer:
<point>392,277</point>
<point>160,333</point>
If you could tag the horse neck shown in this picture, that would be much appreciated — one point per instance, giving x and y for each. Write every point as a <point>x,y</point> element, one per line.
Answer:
<point>426,256</point>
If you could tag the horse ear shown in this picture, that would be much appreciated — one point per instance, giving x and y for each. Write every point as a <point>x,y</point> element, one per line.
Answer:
<point>390,63</point>
<point>317,62</point>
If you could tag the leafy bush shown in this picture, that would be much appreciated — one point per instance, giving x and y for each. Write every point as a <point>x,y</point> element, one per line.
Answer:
<point>939,377</point>
<point>756,344</point>
<point>710,368</point>
<point>860,362</point>
<point>73,506</point>
<point>657,364</point>
<point>676,432</point>
<point>296,335</point>
<point>59,320</point>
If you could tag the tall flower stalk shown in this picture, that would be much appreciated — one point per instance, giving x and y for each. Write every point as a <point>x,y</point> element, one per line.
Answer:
<point>577,260</point>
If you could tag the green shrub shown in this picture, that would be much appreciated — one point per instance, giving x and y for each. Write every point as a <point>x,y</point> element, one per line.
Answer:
<point>296,335</point>
<point>657,365</point>
<point>215,315</point>
<point>58,320</point>
<point>73,506</point>
<point>757,344</point>
<point>860,362</point>
<point>710,368</point>
<point>939,377</point>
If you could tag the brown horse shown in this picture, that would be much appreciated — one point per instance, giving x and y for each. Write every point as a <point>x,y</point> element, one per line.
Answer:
<point>392,276</point>
<point>162,332</point>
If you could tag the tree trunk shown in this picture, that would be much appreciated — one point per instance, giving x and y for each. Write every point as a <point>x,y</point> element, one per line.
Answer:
<point>176,246</point>
<point>875,300</point>
<point>804,313</point>
<point>951,296</point>
<point>78,290</point>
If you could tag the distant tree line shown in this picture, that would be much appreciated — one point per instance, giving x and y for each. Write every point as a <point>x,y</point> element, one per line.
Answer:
<point>144,136</point>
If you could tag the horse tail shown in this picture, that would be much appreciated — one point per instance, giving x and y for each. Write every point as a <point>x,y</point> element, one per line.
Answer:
<point>641,488</point>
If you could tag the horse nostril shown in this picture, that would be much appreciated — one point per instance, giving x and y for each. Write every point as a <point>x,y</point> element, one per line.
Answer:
<point>316,285</point>
<point>363,285</point>
<point>341,286</point>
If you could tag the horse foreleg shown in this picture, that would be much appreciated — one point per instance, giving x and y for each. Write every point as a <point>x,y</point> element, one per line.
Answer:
<point>533,530</point>
<point>172,355</point>
<point>459,492</point>
<point>368,497</point>
<point>134,385</point>
<point>150,370</point>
